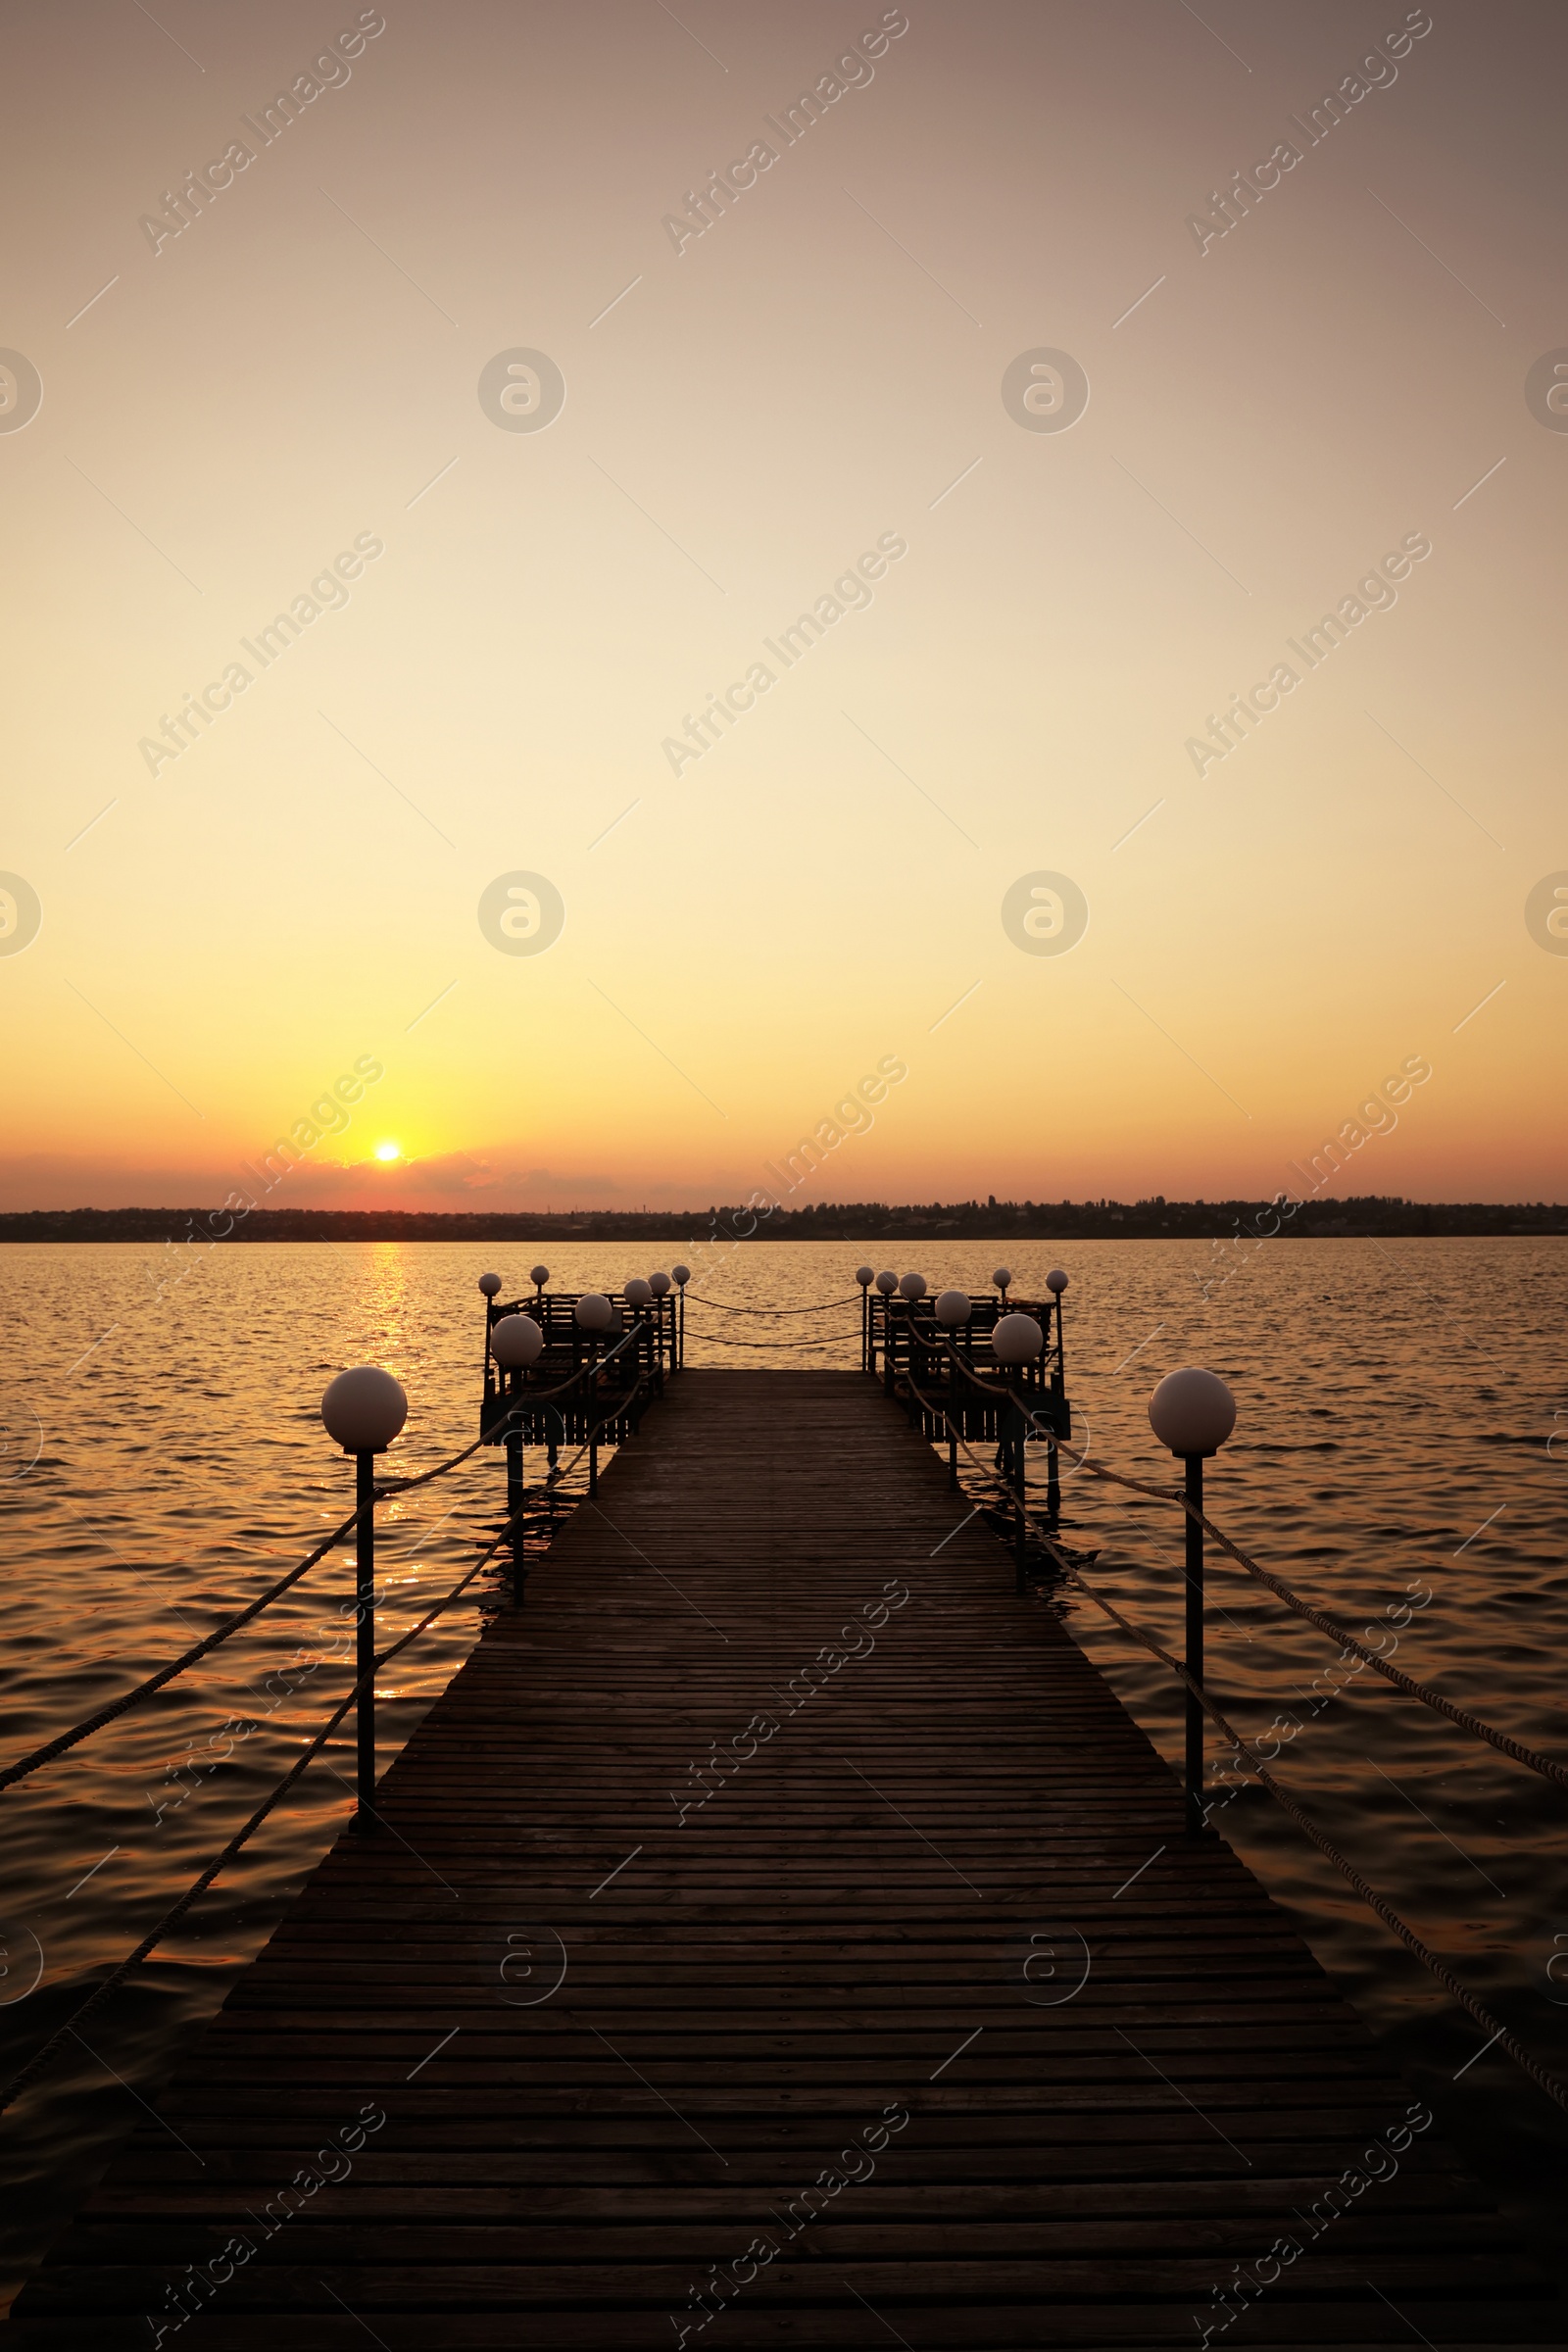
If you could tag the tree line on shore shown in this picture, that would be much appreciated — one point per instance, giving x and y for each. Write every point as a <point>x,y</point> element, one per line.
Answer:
<point>823,1221</point>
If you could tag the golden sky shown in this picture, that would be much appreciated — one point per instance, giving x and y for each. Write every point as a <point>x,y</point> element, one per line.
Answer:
<point>446,363</point>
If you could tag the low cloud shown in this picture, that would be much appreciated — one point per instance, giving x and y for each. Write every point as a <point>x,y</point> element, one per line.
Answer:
<point>450,1180</point>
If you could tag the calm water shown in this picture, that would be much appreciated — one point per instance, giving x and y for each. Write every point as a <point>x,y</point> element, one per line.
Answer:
<point>163,1460</point>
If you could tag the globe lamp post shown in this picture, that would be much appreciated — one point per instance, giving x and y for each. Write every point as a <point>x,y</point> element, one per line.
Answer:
<point>363,1411</point>
<point>1193,1412</point>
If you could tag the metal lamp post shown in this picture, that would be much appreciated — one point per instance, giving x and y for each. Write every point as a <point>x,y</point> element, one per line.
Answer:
<point>1193,1412</point>
<point>951,1311</point>
<point>363,1410</point>
<point>1017,1340</point>
<point>661,1285</point>
<point>594,1316</point>
<point>863,1275</point>
<point>517,1341</point>
<point>1055,1284</point>
<point>638,1293</point>
<point>680,1276</point>
<point>489,1285</point>
<point>887,1284</point>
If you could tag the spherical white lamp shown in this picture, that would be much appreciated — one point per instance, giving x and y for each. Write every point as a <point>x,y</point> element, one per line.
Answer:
<point>953,1308</point>
<point>539,1276</point>
<point>1055,1282</point>
<point>489,1284</point>
<point>1002,1278</point>
<point>1015,1339</point>
<point>911,1286</point>
<point>594,1311</point>
<point>865,1276</point>
<point>658,1284</point>
<point>637,1291</point>
<point>1192,1411</point>
<point>887,1284</point>
<point>515,1341</point>
<point>681,1275</point>
<point>363,1409</point>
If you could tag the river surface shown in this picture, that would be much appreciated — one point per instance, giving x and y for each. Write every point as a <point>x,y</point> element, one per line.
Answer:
<point>1402,1446</point>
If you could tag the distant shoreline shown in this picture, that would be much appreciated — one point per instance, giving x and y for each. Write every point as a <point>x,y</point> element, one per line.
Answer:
<point>1371,1217</point>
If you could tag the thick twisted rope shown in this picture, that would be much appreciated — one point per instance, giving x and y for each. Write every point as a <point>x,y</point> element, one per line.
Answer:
<point>1503,1741</point>
<point>561,1470</point>
<point>716,1338</point>
<point>695,1299</point>
<point>1524,2057</point>
<point>56,1746</point>
<point>41,2057</point>
<point>165,1674</point>
<point>524,1403</point>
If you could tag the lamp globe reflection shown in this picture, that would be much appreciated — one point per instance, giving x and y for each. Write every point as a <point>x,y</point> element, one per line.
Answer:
<point>887,1284</point>
<point>594,1311</point>
<point>363,1409</point>
<point>489,1284</point>
<point>515,1341</point>
<point>911,1286</point>
<point>953,1308</point>
<point>1192,1411</point>
<point>1056,1281</point>
<point>1016,1339</point>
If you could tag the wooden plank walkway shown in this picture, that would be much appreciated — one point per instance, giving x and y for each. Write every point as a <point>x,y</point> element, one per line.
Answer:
<point>799,2084</point>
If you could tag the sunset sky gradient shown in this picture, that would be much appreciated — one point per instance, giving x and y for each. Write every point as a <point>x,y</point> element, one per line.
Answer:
<point>296,374</point>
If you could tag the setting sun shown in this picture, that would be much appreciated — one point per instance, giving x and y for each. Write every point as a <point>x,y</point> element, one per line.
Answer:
<point>389,1151</point>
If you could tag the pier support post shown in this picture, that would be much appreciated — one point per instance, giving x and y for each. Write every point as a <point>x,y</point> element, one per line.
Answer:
<point>365,1820</point>
<point>1194,1569</point>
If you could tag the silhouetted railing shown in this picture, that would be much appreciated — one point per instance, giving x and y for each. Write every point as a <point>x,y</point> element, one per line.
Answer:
<point>593,1392</point>
<point>1006,1481</point>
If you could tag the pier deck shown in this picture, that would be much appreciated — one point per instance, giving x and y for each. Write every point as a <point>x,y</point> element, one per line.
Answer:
<point>824,1992</point>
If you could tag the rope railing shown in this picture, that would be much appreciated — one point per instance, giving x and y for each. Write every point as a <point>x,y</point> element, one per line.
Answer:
<point>1503,1741</point>
<point>823,1307</point>
<point>56,1746</point>
<point>33,1762</point>
<point>40,2059</point>
<point>1523,2056</point>
<point>715,1339</point>
<point>560,1470</point>
<point>525,1404</point>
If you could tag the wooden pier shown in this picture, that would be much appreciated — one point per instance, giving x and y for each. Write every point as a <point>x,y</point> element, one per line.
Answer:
<point>913,2019</point>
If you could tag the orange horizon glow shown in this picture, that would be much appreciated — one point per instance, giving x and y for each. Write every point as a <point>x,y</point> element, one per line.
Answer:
<point>682,656</point>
